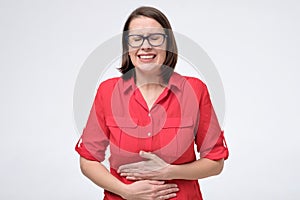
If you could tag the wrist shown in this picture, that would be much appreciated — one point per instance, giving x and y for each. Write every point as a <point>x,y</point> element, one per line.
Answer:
<point>124,191</point>
<point>172,172</point>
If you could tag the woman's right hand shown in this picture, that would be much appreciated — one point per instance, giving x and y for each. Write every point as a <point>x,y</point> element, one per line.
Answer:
<point>150,190</point>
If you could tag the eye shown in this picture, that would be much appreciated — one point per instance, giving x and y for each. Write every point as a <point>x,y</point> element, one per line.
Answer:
<point>155,37</point>
<point>136,38</point>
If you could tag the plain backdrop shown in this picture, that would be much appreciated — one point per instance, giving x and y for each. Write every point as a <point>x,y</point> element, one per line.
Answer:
<point>254,44</point>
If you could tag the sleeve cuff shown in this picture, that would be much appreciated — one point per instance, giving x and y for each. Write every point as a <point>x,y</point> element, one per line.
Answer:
<point>83,152</point>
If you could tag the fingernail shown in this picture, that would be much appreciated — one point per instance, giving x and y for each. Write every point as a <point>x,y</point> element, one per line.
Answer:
<point>141,152</point>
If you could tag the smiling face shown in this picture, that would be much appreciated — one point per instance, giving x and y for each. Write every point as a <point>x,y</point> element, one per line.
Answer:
<point>147,58</point>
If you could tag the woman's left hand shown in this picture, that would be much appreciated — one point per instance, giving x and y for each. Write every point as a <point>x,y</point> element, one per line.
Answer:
<point>152,169</point>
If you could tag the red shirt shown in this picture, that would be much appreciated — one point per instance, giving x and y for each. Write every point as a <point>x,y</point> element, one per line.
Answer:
<point>181,117</point>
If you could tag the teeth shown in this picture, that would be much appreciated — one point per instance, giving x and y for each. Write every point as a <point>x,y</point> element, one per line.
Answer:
<point>147,57</point>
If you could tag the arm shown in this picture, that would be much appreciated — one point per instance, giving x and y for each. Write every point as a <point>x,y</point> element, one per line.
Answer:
<point>198,169</point>
<point>98,173</point>
<point>157,169</point>
<point>145,189</point>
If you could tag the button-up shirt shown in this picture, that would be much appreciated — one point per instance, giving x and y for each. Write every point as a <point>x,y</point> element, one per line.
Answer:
<point>181,117</point>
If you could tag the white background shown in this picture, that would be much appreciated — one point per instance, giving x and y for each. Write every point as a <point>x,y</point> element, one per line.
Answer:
<point>254,44</point>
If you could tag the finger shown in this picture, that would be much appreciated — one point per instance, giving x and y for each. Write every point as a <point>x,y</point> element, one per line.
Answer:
<point>131,174</point>
<point>124,168</point>
<point>124,174</point>
<point>133,170</point>
<point>141,177</point>
<point>166,187</point>
<point>155,182</point>
<point>132,178</point>
<point>130,166</point>
<point>137,176</point>
<point>147,155</point>
<point>167,191</point>
<point>146,175</point>
<point>168,196</point>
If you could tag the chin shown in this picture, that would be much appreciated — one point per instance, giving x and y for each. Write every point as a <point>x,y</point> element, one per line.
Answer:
<point>148,67</point>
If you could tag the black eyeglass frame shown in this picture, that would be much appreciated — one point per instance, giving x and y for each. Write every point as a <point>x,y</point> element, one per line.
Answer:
<point>146,38</point>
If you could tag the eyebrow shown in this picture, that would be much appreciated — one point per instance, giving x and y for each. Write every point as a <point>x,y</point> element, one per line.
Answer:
<point>147,34</point>
<point>147,30</point>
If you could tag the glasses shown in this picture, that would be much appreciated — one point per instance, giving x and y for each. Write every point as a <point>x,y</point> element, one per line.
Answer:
<point>154,39</point>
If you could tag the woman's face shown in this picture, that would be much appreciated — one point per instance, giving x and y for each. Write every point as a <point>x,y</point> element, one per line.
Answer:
<point>147,58</point>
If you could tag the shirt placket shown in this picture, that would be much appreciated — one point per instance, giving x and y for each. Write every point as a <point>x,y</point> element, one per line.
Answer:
<point>147,132</point>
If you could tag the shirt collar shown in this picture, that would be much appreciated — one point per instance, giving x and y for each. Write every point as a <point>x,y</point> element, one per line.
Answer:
<point>128,84</point>
<point>177,81</point>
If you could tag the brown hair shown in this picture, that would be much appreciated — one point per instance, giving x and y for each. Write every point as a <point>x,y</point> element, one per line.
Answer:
<point>171,54</point>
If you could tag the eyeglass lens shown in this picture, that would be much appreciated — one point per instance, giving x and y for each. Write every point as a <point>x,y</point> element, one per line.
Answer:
<point>155,39</point>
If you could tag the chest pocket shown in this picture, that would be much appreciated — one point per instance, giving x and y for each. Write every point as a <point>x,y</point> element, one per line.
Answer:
<point>177,138</point>
<point>123,133</point>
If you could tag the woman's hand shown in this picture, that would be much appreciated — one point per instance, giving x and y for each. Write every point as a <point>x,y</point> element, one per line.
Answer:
<point>152,169</point>
<point>150,190</point>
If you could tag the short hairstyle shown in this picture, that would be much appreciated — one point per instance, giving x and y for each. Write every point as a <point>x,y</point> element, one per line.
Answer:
<point>171,50</point>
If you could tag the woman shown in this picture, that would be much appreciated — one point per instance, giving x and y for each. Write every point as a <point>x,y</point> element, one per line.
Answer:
<point>151,117</point>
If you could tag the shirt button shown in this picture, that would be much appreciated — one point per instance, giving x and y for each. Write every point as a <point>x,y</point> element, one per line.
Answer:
<point>149,134</point>
<point>149,114</point>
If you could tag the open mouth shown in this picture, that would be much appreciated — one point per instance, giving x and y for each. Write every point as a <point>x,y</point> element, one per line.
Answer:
<point>146,57</point>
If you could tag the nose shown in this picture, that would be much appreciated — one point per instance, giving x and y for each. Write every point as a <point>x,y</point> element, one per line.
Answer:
<point>146,44</point>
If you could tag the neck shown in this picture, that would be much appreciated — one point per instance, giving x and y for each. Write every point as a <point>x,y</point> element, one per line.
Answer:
<point>148,79</point>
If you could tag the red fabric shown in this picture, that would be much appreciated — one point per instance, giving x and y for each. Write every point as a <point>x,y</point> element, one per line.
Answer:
<point>181,117</point>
